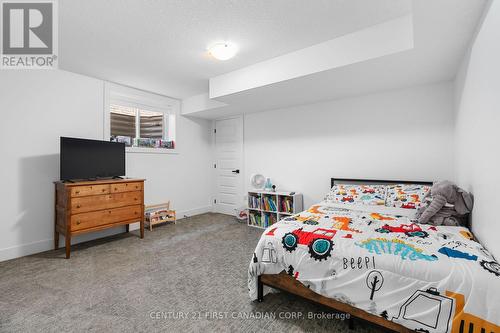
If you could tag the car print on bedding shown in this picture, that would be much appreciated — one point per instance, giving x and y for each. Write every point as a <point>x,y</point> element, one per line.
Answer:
<point>309,220</point>
<point>348,198</point>
<point>409,230</point>
<point>408,205</point>
<point>319,241</point>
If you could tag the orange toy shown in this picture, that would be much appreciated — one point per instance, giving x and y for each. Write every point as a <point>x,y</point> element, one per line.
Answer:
<point>467,235</point>
<point>307,218</point>
<point>342,223</point>
<point>379,217</point>
<point>415,198</point>
<point>465,320</point>
<point>314,210</point>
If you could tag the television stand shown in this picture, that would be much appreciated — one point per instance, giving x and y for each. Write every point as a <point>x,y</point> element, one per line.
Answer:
<point>87,206</point>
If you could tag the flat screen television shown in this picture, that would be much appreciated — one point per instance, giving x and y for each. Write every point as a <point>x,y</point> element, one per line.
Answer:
<point>90,159</point>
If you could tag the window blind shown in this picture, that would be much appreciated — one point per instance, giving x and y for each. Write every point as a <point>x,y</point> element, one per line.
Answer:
<point>123,120</point>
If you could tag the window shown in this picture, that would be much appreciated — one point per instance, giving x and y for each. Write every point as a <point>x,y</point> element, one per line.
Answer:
<point>143,121</point>
<point>122,121</point>
<point>151,124</point>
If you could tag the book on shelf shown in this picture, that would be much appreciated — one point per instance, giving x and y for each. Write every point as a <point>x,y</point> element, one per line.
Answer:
<point>269,204</point>
<point>269,219</point>
<point>266,208</point>
<point>272,219</point>
<point>255,219</point>
<point>254,202</point>
<point>287,206</point>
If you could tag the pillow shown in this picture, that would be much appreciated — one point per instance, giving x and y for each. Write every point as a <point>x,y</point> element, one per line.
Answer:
<point>408,213</point>
<point>409,196</point>
<point>372,195</point>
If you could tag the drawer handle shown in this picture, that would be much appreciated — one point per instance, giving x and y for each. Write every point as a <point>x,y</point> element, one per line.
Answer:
<point>104,190</point>
<point>78,206</point>
<point>78,222</point>
<point>109,212</point>
<point>116,188</point>
<point>77,192</point>
<point>126,184</point>
<point>135,199</point>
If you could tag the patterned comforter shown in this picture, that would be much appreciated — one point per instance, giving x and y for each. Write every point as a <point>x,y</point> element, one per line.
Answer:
<point>433,279</point>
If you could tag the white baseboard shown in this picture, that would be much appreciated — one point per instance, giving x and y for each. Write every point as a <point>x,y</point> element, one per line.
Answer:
<point>192,212</point>
<point>182,214</point>
<point>48,244</point>
<point>26,249</point>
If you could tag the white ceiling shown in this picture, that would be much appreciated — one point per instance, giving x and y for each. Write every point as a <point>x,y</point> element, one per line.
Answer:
<point>160,45</point>
<point>443,30</point>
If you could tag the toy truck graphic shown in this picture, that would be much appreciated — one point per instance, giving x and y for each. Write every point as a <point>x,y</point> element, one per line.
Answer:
<point>408,205</point>
<point>429,311</point>
<point>368,190</point>
<point>426,311</point>
<point>463,321</point>
<point>409,230</point>
<point>319,241</point>
<point>347,198</point>
<point>311,220</point>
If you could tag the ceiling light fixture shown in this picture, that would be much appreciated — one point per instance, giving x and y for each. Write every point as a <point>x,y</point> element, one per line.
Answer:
<point>223,50</point>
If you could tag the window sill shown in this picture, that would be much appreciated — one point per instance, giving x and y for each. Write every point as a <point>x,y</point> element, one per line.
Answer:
<point>146,150</point>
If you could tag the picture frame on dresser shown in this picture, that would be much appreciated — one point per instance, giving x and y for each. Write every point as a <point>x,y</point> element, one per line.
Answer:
<point>88,206</point>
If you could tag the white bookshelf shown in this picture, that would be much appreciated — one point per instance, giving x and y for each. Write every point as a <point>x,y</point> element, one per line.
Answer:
<point>261,213</point>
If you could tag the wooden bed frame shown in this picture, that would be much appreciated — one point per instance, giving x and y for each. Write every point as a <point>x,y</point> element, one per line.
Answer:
<point>287,283</point>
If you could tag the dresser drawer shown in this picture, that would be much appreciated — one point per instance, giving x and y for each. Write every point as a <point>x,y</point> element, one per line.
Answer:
<point>103,217</point>
<point>126,187</point>
<point>105,201</point>
<point>86,190</point>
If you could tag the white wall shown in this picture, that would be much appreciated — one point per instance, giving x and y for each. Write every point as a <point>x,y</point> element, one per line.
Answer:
<point>477,136</point>
<point>404,134</point>
<point>36,108</point>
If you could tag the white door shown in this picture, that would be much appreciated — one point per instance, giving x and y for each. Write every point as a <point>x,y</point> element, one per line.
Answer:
<point>228,165</point>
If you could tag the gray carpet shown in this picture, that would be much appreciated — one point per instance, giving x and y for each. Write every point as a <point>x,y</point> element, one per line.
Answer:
<point>125,284</point>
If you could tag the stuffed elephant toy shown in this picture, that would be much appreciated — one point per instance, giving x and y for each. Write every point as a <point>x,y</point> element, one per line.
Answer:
<point>449,205</point>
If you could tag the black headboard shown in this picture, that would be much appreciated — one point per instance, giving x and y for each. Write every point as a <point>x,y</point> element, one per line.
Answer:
<point>336,181</point>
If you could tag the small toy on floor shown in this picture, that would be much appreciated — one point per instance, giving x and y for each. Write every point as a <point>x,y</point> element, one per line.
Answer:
<point>156,214</point>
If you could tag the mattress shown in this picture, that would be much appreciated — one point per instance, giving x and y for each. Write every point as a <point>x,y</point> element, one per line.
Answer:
<point>428,278</point>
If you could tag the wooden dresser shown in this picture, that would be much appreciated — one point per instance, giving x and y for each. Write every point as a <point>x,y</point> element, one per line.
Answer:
<point>88,206</point>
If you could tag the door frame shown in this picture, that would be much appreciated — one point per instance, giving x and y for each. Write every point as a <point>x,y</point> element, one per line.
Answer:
<point>215,206</point>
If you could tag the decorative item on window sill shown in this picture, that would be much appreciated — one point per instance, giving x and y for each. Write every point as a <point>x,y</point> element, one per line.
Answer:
<point>143,142</point>
<point>167,144</point>
<point>154,143</point>
<point>127,140</point>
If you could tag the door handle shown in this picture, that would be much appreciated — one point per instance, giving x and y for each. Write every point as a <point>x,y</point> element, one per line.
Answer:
<point>236,171</point>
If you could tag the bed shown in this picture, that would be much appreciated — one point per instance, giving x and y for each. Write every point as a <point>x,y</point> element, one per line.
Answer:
<point>378,265</point>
